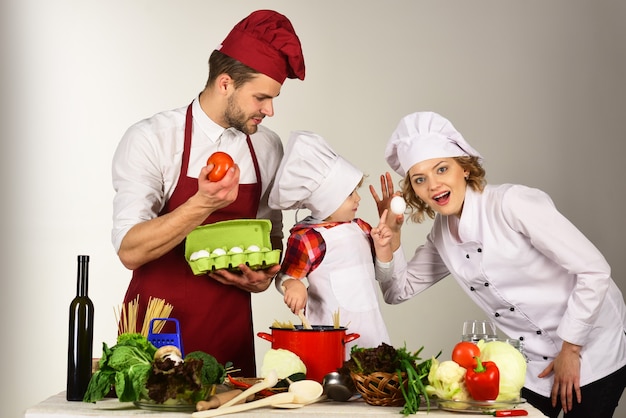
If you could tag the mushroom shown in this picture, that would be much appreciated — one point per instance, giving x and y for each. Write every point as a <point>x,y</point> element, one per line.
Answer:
<point>169,351</point>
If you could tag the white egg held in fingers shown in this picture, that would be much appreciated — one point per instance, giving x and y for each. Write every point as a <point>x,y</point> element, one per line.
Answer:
<point>397,205</point>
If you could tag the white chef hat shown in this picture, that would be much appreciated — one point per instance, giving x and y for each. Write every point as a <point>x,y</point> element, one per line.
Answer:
<point>312,176</point>
<point>421,136</point>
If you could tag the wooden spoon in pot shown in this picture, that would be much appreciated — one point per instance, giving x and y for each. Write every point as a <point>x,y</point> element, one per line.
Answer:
<point>305,322</point>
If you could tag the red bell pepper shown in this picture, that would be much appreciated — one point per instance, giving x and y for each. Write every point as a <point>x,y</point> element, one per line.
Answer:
<point>483,382</point>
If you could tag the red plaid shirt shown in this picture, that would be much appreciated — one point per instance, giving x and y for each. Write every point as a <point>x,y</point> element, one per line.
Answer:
<point>306,247</point>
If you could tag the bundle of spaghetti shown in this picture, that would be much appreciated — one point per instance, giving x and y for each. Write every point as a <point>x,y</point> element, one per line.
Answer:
<point>157,308</point>
<point>126,316</point>
<point>336,323</point>
<point>286,325</point>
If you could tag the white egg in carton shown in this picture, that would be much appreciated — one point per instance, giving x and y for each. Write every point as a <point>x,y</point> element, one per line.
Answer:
<point>229,244</point>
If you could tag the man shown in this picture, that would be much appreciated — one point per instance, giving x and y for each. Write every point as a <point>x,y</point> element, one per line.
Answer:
<point>163,193</point>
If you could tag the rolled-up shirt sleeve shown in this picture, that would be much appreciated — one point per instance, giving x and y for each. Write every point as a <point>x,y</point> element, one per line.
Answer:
<point>139,183</point>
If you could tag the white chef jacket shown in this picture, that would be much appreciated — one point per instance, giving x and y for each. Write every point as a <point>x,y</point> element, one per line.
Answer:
<point>533,272</point>
<point>146,164</point>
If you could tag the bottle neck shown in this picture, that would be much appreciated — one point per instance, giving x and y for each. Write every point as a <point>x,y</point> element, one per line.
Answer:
<point>83,275</point>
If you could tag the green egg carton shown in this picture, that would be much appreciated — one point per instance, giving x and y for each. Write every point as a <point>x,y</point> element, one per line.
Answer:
<point>226,235</point>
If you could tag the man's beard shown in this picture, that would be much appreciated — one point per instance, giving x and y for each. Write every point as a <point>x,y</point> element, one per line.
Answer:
<point>235,118</point>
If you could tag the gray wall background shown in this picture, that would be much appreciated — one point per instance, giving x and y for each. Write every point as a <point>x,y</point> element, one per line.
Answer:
<point>538,87</point>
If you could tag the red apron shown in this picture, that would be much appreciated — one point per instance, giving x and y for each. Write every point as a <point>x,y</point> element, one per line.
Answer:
<point>214,318</point>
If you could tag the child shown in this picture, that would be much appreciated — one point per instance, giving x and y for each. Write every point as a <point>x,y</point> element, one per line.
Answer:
<point>331,248</point>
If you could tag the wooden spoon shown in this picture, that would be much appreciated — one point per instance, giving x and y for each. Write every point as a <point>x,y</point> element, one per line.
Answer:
<point>299,405</point>
<point>270,380</point>
<point>305,322</point>
<point>300,392</point>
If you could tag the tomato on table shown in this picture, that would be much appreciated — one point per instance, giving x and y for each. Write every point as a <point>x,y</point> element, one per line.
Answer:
<point>464,354</point>
<point>222,162</point>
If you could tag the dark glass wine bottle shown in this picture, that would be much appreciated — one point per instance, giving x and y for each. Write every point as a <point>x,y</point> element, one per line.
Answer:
<point>80,343</point>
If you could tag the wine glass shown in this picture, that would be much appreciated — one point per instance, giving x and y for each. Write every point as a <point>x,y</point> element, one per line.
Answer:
<point>477,329</point>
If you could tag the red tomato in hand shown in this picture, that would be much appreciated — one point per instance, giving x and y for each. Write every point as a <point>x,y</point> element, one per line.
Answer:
<point>463,354</point>
<point>222,162</point>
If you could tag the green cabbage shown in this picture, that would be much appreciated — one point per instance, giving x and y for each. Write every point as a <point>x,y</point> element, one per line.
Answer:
<point>283,361</point>
<point>511,364</point>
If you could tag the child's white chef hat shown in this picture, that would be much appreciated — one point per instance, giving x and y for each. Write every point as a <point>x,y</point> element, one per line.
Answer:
<point>421,136</point>
<point>312,176</point>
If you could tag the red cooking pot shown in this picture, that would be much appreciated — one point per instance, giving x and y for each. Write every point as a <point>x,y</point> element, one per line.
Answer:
<point>321,349</point>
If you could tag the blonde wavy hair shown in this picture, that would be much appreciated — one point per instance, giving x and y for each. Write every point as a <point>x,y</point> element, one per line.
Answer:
<point>418,209</point>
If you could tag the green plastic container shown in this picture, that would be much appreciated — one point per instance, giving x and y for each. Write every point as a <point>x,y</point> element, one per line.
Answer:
<point>226,235</point>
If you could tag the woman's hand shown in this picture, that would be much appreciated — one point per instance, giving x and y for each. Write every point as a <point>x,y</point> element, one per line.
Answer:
<point>566,368</point>
<point>386,188</point>
<point>386,185</point>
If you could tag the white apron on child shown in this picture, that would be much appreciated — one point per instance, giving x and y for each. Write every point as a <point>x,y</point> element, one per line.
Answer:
<point>345,281</point>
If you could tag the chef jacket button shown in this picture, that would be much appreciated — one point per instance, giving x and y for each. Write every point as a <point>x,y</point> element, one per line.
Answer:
<point>486,284</point>
<point>480,250</point>
<point>539,332</point>
<point>511,309</point>
<point>466,255</point>
<point>521,338</point>
<point>545,357</point>
<point>472,288</point>
<point>497,314</point>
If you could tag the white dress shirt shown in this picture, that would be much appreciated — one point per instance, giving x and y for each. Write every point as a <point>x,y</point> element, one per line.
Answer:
<point>533,272</point>
<point>146,164</point>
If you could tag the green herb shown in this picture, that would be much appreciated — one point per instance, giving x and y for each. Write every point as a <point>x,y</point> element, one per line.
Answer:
<point>417,379</point>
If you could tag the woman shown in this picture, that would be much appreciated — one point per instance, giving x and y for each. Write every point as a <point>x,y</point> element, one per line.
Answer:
<point>534,273</point>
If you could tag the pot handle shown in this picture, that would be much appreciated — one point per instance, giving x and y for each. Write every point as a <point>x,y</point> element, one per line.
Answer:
<point>265,336</point>
<point>351,337</point>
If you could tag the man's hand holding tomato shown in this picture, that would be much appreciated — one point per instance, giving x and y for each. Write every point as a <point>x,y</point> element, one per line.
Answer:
<point>219,163</point>
<point>217,193</point>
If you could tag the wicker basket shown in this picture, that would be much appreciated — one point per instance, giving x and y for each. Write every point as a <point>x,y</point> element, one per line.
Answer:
<point>379,388</point>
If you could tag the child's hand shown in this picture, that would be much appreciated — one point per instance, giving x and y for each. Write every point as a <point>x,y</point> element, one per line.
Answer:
<point>295,295</point>
<point>381,236</point>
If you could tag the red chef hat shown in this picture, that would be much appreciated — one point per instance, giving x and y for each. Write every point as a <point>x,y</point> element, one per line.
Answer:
<point>267,42</point>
